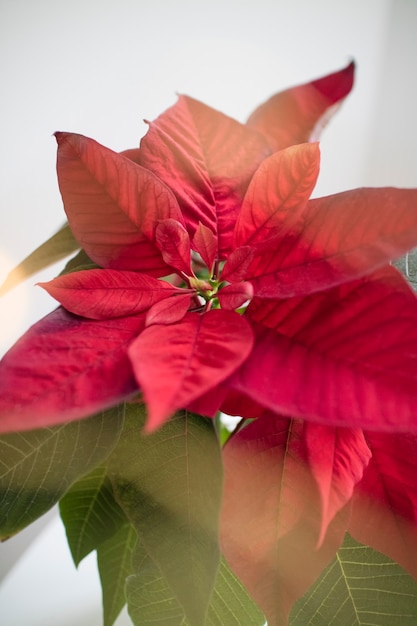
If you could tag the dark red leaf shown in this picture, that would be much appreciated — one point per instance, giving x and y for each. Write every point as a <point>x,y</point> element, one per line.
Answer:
<point>174,243</point>
<point>336,239</point>
<point>298,114</point>
<point>344,357</point>
<point>239,404</point>
<point>384,514</point>
<point>278,193</point>
<point>271,518</point>
<point>176,364</point>
<point>66,368</point>
<point>207,159</point>
<point>235,295</point>
<point>103,294</point>
<point>113,205</point>
<point>205,243</point>
<point>170,310</point>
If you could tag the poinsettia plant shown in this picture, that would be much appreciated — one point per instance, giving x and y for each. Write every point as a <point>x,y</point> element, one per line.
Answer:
<point>207,282</point>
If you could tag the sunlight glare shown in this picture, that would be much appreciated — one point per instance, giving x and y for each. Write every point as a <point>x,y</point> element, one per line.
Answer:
<point>13,306</point>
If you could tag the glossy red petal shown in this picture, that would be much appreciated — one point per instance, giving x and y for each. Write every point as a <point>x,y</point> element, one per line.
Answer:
<point>176,364</point>
<point>344,357</point>
<point>298,114</point>
<point>235,295</point>
<point>337,238</point>
<point>169,310</point>
<point>271,517</point>
<point>174,243</point>
<point>207,159</point>
<point>66,368</point>
<point>277,194</point>
<point>337,458</point>
<point>384,514</point>
<point>104,294</point>
<point>113,205</point>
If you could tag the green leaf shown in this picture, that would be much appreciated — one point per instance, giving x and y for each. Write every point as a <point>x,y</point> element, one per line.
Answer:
<point>114,558</point>
<point>151,601</point>
<point>169,484</point>
<point>231,603</point>
<point>360,587</point>
<point>37,467</point>
<point>90,513</point>
<point>57,247</point>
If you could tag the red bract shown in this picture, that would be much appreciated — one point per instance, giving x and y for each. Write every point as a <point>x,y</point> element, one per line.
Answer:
<point>223,285</point>
<point>292,480</point>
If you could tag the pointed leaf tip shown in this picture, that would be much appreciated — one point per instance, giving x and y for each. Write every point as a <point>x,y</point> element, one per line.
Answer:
<point>298,114</point>
<point>277,193</point>
<point>337,85</point>
<point>176,364</point>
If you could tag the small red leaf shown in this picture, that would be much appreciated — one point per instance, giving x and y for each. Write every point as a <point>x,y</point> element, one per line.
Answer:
<point>239,404</point>
<point>271,515</point>
<point>384,512</point>
<point>103,294</point>
<point>174,243</point>
<point>298,114</point>
<point>236,266</point>
<point>169,310</point>
<point>66,368</point>
<point>205,243</point>
<point>282,185</point>
<point>113,205</point>
<point>176,364</point>
<point>235,295</point>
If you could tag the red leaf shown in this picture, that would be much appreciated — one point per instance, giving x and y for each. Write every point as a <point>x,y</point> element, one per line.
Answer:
<point>337,458</point>
<point>207,159</point>
<point>103,294</point>
<point>205,243</point>
<point>174,243</point>
<point>298,114</point>
<point>344,357</point>
<point>236,266</point>
<point>384,513</point>
<point>176,364</point>
<point>270,522</point>
<point>281,186</point>
<point>66,368</point>
<point>337,238</point>
<point>239,404</point>
<point>235,295</point>
<point>133,154</point>
<point>169,310</point>
<point>113,205</point>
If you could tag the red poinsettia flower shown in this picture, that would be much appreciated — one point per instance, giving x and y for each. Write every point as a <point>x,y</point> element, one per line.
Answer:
<point>206,202</point>
<point>146,214</point>
<point>222,285</point>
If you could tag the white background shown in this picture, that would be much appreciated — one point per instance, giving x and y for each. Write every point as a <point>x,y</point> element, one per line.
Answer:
<point>99,67</point>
